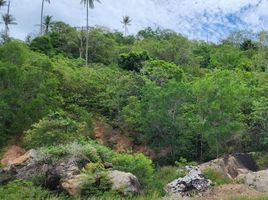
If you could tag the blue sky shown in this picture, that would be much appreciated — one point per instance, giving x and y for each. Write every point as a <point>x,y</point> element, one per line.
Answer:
<point>193,18</point>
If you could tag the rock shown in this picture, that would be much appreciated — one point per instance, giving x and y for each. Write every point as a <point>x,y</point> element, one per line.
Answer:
<point>259,180</point>
<point>194,180</point>
<point>70,167</point>
<point>29,165</point>
<point>73,186</point>
<point>231,166</point>
<point>12,153</point>
<point>125,183</point>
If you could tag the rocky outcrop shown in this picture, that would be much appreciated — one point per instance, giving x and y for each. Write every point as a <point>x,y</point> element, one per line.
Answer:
<point>259,180</point>
<point>65,173</point>
<point>11,155</point>
<point>74,185</point>
<point>125,183</point>
<point>29,165</point>
<point>193,181</point>
<point>231,166</point>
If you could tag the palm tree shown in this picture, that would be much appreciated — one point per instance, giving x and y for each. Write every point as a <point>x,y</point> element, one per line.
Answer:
<point>88,4</point>
<point>48,22</point>
<point>2,3</point>
<point>8,19</point>
<point>126,22</point>
<point>42,15</point>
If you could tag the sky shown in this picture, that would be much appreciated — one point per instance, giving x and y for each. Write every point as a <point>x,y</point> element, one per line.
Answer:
<point>196,19</point>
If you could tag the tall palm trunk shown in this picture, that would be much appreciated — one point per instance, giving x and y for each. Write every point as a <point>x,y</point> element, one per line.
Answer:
<point>42,13</point>
<point>7,23</point>
<point>87,35</point>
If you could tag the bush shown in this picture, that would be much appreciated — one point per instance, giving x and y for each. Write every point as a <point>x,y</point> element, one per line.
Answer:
<point>91,150</point>
<point>137,164</point>
<point>14,52</point>
<point>19,189</point>
<point>97,180</point>
<point>161,71</point>
<point>52,130</point>
<point>42,44</point>
<point>261,160</point>
<point>133,61</point>
<point>162,177</point>
<point>216,177</point>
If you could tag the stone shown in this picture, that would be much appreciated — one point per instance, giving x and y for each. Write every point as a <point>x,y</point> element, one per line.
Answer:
<point>231,166</point>
<point>194,180</point>
<point>12,153</point>
<point>73,186</point>
<point>258,180</point>
<point>125,183</point>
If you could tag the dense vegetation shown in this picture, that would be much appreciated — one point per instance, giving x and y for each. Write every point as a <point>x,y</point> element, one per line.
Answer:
<point>195,100</point>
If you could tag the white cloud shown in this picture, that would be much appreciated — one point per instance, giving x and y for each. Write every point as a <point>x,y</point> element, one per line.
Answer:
<point>185,16</point>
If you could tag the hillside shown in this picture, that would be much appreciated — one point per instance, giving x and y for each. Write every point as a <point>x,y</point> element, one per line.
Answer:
<point>124,121</point>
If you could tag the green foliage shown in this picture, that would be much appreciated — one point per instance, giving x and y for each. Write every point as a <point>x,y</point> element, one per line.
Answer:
<point>14,53</point>
<point>89,149</point>
<point>133,61</point>
<point>216,177</point>
<point>183,163</point>
<point>97,181</point>
<point>42,44</point>
<point>161,72</point>
<point>162,177</point>
<point>136,164</point>
<point>19,189</point>
<point>261,159</point>
<point>54,129</point>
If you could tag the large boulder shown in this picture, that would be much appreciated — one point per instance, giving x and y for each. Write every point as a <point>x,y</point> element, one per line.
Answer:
<point>193,181</point>
<point>125,183</point>
<point>74,185</point>
<point>122,182</point>
<point>29,166</point>
<point>231,166</point>
<point>11,155</point>
<point>259,180</point>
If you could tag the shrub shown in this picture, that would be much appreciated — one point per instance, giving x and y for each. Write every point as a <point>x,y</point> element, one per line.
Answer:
<point>261,159</point>
<point>162,177</point>
<point>216,177</point>
<point>133,61</point>
<point>97,180</point>
<point>91,150</point>
<point>51,130</point>
<point>161,71</point>
<point>19,189</point>
<point>42,44</point>
<point>137,164</point>
<point>14,52</point>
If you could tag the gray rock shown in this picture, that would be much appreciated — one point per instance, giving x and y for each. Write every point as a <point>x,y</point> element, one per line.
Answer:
<point>125,183</point>
<point>194,180</point>
<point>259,180</point>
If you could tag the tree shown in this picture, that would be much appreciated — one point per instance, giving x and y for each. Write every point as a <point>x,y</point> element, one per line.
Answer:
<point>48,22</point>
<point>126,22</point>
<point>133,61</point>
<point>2,3</point>
<point>8,20</point>
<point>42,15</point>
<point>88,4</point>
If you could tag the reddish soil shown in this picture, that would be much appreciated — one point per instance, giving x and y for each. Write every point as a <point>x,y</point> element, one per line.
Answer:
<point>12,153</point>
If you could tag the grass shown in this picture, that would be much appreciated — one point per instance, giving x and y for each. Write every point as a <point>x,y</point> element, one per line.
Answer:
<point>216,177</point>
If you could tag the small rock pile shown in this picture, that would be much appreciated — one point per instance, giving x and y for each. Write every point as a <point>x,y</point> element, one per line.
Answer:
<point>193,181</point>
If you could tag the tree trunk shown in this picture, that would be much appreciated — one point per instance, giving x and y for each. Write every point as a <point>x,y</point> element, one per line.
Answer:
<point>87,36</point>
<point>42,13</point>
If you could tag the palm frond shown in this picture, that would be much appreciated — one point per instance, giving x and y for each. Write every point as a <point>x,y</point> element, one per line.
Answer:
<point>90,3</point>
